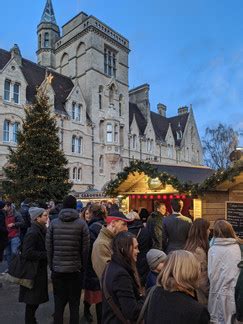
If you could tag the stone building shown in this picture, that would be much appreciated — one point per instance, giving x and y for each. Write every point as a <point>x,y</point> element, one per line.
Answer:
<point>102,124</point>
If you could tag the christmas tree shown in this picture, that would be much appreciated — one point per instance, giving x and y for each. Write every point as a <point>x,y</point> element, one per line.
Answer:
<point>37,167</point>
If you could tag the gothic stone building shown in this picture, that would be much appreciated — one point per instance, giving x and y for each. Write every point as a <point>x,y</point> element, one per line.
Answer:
<point>102,124</point>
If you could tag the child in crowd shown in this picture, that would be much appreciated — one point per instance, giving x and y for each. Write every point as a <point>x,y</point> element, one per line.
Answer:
<point>155,259</point>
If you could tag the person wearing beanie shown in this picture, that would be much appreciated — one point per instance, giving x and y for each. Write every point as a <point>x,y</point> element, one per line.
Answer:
<point>34,250</point>
<point>67,245</point>
<point>155,259</point>
<point>101,253</point>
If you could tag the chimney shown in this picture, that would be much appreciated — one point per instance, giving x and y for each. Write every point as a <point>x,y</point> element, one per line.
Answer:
<point>15,52</point>
<point>182,110</point>
<point>161,109</point>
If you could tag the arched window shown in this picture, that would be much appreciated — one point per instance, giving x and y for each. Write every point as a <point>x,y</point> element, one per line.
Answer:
<point>73,143</point>
<point>46,40</point>
<point>39,41</point>
<point>111,95</point>
<point>120,104</point>
<point>116,133</point>
<point>74,173</point>
<point>148,145</point>
<point>134,141</point>
<point>64,64</point>
<point>151,145</point>
<point>7,85</point>
<point>79,145</point>
<point>80,49</point>
<point>100,96</point>
<point>109,133</point>
<point>79,174</point>
<point>101,164</point>
<point>6,125</point>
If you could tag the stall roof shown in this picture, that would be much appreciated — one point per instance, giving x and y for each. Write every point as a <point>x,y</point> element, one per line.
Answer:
<point>178,178</point>
<point>194,174</point>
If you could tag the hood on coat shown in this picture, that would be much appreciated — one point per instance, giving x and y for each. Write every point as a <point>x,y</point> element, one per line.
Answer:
<point>68,215</point>
<point>224,241</point>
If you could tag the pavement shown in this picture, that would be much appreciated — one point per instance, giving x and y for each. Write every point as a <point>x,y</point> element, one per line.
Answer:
<point>12,312</point>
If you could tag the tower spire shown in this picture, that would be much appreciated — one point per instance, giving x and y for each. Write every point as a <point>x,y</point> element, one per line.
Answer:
<point>48,13</point>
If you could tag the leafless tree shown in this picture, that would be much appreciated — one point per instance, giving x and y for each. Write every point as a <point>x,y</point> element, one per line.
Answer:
<point>218,143</point>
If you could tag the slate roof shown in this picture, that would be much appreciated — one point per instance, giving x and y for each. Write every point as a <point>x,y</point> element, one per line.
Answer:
<point>35,75</point>
<point>186,174</point>
<point>160,123</point>
<point>134,110</point>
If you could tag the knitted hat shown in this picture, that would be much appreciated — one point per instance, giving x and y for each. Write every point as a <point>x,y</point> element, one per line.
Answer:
<point>35,212</point>
<point>2,204</point>
<point>70,202</point>
<point>155,257</point>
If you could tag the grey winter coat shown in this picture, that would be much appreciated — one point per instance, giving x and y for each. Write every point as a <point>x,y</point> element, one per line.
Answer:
<point>67,242</point>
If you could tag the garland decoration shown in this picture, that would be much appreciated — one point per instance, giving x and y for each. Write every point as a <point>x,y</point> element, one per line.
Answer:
<point>151,171</point>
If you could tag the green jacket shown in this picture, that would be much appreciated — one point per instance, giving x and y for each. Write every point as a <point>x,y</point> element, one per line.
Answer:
<point>154,226</point>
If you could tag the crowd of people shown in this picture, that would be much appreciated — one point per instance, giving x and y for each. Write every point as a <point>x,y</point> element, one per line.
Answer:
<point>135,268</point>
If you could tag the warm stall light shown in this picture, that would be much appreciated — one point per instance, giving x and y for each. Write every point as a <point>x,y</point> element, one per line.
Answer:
<point>159,197</point>
<point>164,197</point>
<point>151,197</point>
<point>139,196</point>
<point>171,196</point>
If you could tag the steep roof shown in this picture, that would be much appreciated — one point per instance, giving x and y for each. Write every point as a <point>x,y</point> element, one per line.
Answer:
<point>48,13</point>
<point>141,121</point>
<point>160,123</point>
<point>189,174</point>
<point>35,75</point>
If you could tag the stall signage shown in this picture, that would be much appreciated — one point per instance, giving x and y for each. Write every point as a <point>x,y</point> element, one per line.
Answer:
<point>155,184</point>
<point>234,215</point>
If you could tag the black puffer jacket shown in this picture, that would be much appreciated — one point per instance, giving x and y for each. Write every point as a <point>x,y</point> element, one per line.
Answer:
<point>144,245</point>
<point>67,242</point>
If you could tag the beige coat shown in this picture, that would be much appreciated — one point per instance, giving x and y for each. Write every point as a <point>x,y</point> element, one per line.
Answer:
<point>203,284</point>
<point>101,252</point>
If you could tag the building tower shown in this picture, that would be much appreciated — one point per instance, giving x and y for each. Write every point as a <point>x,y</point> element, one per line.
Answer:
<point>48,33</point>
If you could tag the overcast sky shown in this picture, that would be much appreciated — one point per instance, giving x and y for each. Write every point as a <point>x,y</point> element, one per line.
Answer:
<point>189,51</point>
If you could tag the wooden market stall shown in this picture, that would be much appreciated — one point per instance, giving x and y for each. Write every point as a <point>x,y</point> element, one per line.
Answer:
<point>210,194</point>
<point>140,184</point>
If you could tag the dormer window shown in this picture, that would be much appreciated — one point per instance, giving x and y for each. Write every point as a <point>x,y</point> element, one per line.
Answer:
<point>7,86</point>
<point>76,112</point>
<point>16,88</point>
<point>179,135</point>
<point>11,90</point>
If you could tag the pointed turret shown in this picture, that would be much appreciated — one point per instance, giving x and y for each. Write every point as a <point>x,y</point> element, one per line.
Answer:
<point>48,14</point>
<point>48,34</point>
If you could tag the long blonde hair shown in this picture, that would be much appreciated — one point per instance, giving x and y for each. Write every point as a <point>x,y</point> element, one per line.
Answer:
<point>180,272</point>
